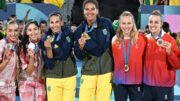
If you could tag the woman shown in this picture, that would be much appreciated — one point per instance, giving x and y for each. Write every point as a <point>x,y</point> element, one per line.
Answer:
<point>128,74</point>
<point>92,46</point>
<point>61,68</point>
<point>31,83</point>
<point>8,63</point>
<point>161,61</point>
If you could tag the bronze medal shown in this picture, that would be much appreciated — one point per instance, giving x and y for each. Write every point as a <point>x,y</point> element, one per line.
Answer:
<point>126,68</point>
<point>159,42</point>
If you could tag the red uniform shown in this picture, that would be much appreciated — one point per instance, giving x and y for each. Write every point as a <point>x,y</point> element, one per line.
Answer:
<point>159,67</point>
<point>7,75</point>
<point>31,87</point>
<point>135,63</point>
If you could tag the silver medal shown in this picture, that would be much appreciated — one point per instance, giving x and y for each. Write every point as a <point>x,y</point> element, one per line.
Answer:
<point>31,46</point>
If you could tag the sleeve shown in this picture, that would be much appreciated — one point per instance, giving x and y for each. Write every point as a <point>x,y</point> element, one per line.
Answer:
<point>113,46</point>
<point>174,56</point>
<point>77,34</point>
<point>48,62</point>
<point>112,31</point>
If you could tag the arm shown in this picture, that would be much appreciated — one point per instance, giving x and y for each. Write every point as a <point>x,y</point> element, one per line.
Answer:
<point>6,60</point>
<point>80,53</point>
<point>47,45</point>
<point>26,16</point>
<point>27,65</point>
<point>172,53</point>
<point>48,62</point>
<point>30,66</point>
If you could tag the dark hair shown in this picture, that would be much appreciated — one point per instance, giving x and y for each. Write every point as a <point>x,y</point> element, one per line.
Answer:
<point>165,26</point>
<point>1,20</point>
<point>55,13</point>
<point>20,22</point>
<point>13,15</point>
<point>174,35</point>
<point>43,22</point>
<point>91,1</point>
<point>147,27</point>
<point>25,38</point>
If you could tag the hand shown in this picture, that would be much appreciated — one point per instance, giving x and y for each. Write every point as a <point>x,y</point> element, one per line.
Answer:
<point>28,11</point>
<point>82,42</point>
<point>73,28</point>
<point>167,45</point>
<point>47,44</point>
<point>30,53</point>
<point>7,55</point>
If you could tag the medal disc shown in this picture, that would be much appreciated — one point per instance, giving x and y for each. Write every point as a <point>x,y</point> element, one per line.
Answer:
<point>31,46</point>
<point>126,68</point>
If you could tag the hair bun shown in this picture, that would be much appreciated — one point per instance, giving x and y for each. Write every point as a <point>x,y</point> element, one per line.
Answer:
<point>156,12</point>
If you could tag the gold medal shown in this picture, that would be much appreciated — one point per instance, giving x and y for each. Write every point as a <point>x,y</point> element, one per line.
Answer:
<point>126,68</point>
<point>50,37</point>
<point>85,36</point>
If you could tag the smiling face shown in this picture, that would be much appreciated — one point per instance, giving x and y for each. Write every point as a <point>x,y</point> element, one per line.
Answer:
<point>55,24</point>
<point>43,27</point>
<point>12,32</point>
<point>33,32</point>
<point>155,24</point>
<point>90,12</point>
<point>126,24</point>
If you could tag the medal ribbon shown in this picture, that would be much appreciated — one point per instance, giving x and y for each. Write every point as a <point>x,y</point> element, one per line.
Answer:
<point>126,58</point>
<point>36,48</point>
<point>92,27</point>
<point>58,37</point>
<point>159,36</point>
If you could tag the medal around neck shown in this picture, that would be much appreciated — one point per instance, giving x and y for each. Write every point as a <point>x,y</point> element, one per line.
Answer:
<point>159,42</point>
<point>50,37</point>
<point>9,46</point>
<point>31,46</point>
<point>126,68</point>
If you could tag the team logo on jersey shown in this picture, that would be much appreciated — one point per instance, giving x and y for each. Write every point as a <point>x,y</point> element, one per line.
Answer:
<point>104,31</point>
<point>49,88</point>
<point>56,46</point>
<point>82,80</point>
<point>68,39</point>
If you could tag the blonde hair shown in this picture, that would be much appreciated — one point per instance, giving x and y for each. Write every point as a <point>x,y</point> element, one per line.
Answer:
<point>134,32</point>
<point>157,13</point>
